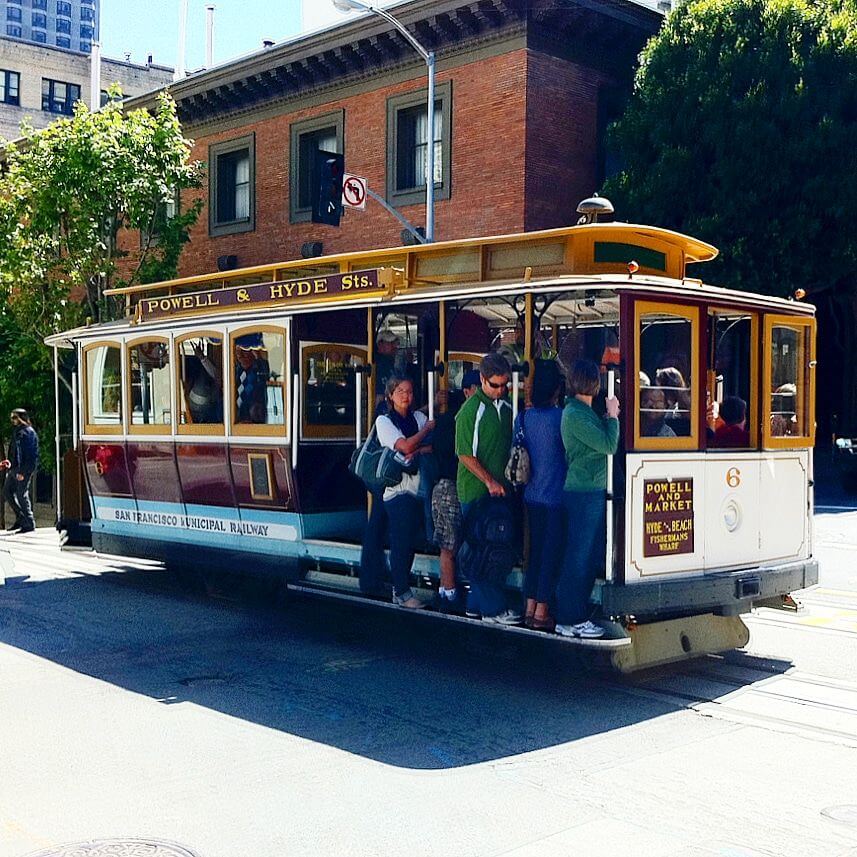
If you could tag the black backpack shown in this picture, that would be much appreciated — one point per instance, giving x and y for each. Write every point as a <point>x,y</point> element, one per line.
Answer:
<point>489,546</point>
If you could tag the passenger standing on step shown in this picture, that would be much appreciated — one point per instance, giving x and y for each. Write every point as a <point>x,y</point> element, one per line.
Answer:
<point>540,430</point>
<point>483,439</point>
<point>403,430</point>
<point>588,440</point>
<point>19,467</point>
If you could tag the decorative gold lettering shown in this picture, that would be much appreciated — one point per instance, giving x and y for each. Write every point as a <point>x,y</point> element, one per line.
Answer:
<point>320,287</point>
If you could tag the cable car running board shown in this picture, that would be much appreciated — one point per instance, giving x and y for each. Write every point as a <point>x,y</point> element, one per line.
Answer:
<point>322,591</point>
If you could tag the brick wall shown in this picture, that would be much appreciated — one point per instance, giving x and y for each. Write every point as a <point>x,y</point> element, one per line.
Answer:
<point>488,118</point>
<point>562,139</point>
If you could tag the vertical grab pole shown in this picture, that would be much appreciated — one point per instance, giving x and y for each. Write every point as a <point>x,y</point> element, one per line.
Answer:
<point>608,566</point>
<point>296,419</point>
<point>430,391</point>
<point>57,432</point>
<point>516,378</point>
<point>75,411</point>
<point>358,404</point>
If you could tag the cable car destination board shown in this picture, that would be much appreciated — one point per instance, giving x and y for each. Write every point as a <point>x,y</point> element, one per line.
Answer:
<point>667,517</point>
<point>356,284</point>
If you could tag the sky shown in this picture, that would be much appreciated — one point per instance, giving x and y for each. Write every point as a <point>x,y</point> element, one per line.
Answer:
<point>144,27</point>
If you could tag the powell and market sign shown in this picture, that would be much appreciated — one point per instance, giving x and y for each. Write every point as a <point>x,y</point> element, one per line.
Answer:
<point>355,284</point>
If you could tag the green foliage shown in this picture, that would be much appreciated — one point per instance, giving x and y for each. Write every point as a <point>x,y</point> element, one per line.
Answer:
<point>65,194</point>
<point>741,131</point>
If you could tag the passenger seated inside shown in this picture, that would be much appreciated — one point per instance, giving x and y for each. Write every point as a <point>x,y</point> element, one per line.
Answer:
<point>733,433</point>
<point>783,415</point>
<point>202,383</point>
<point>653,411</point>
<point>252,373</point>
<point>677,400</point>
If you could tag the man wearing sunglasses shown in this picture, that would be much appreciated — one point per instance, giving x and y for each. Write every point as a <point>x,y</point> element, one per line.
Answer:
<point>20,466</point>
<point>483,439</point>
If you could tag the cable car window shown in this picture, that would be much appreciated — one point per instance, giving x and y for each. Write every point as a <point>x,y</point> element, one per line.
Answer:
<point>149,365</point>
<point>667,372</point>
<point>103,368</point>
<point>259,381</point>
<point>789,359</point>
<point>730,402</point>
<point>329,382</point>
<point>200,367</point>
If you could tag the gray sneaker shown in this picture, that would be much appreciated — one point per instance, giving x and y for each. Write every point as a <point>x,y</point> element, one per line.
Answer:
<point>507,617</point>
<point>585,630</point>
<point>409,601</point>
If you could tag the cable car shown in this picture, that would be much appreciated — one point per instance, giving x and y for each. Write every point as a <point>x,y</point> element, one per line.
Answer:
<point>214,423</point>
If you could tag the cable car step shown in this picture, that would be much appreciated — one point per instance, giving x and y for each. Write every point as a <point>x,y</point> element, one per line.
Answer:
<point>326,590</point>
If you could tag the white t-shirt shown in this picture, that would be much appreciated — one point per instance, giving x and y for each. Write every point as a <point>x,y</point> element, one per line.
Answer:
<point>388,434</point>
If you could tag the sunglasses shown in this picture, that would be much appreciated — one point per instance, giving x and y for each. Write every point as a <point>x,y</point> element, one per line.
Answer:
<point>499,386</point>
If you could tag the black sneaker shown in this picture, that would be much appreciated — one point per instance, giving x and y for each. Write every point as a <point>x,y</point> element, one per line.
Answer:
<point>16,526</point>
<point>27,529</point>
<point>452,606</point>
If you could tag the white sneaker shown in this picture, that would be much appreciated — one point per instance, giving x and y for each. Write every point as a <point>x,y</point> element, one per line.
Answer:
<point>587,630</point>
<point>507,617</point>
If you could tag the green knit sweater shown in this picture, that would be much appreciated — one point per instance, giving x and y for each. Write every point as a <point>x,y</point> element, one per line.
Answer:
<point>588,440</point>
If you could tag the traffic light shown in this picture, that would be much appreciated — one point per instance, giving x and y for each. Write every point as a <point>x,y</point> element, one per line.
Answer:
<point>327,185</point>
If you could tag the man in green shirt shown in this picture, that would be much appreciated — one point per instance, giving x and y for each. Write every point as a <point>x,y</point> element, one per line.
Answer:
<point>483,440</point>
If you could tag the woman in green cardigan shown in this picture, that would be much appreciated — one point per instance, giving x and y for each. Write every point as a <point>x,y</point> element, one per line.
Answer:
<point>588,440</point>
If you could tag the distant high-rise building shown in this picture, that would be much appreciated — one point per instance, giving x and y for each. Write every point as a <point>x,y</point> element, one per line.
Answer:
<point>69,24</point>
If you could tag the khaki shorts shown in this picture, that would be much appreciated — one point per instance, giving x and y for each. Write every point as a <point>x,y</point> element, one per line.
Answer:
<point>446,515</point>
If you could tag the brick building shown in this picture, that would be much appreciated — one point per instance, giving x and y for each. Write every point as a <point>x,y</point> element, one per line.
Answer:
<point>524,92</point>
<point>40,83</point>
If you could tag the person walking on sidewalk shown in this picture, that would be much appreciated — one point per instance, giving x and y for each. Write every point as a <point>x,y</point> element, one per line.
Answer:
<point>19,467</point>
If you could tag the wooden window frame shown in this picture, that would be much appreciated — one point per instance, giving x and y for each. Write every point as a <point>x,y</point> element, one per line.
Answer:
<point>231,227</point>
<point>158,428</point>
<point>753,418</point>
<point>691,313</point>
<point>802,325</point>
<point>96,428</point>
<point>230,387</point>
<point>405,101</point>
<point>328,432</point>
<point>335,120</point>
<point>212,429</point>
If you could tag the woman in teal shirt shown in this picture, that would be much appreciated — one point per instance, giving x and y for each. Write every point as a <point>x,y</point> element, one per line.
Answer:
<point>588,440</point>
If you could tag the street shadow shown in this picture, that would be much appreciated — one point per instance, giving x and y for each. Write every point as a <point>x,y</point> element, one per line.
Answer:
<point>385,685</point>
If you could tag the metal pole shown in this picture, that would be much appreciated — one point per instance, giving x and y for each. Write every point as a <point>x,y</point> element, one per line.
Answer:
<point>95,77</point>
<point>430,393</point>
<point>75,411</point>
<point>296,418</point>
<point>358,404</point>
<point>608,563</point>
<point>430,151</point>
<point>516,377</point>
<point>209,35</point>
<point>57,432</point>
<point>181,71</point>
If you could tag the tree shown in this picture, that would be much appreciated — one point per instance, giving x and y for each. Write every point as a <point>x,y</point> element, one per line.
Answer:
<point>741,130</point>
<point>65,194</point>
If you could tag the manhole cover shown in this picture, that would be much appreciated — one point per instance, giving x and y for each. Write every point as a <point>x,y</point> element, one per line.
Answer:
<point>118,848</point>
<point>846,814</point>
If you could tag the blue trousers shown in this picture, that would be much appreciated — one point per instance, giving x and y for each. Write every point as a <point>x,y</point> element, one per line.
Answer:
<point>547,536</point>
<point>405,514</point>
<point>373,563</point>
<point>583,557</point>
<point>487,599</point>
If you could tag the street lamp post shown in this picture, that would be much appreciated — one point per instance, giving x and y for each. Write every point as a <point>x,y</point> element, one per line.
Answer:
<point>428,56</point>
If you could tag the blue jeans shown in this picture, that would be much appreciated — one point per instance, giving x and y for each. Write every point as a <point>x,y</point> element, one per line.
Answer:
<point>405,516</point>
<point>547,536</point>
<point>373,563</point>
<point>583,558</point>
<point>487,599</point>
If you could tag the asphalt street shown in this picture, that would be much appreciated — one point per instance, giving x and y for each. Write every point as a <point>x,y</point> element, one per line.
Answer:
<point>131,707</point>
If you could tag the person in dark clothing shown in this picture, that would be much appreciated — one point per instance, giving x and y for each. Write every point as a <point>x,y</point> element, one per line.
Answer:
<point>19,467</point>
<point>445,508</point>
